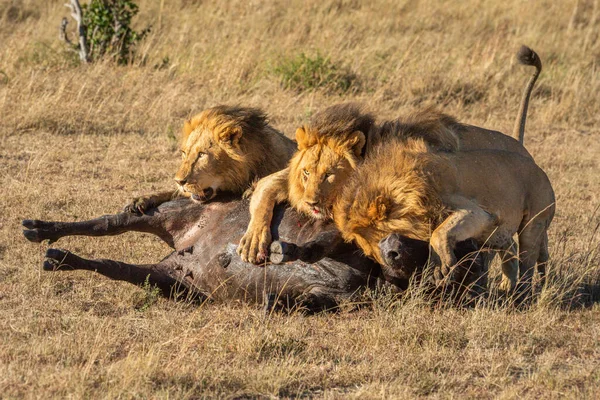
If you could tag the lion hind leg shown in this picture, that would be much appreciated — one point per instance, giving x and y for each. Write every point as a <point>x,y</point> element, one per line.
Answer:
<point>466,222</point>
<point>543,257</point>
<point>533,248</point>
<point>510,268</point>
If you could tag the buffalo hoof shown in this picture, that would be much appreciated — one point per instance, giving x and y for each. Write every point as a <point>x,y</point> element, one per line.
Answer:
<point>281,252</point>
<point>37,231</point>
<point>54,259</point>
<point>32,235</point>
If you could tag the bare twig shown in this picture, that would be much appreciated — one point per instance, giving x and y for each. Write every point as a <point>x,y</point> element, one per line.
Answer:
<point>116,43</point>
<point>62,34</point>
<point>81,28</point>
<point>117,28</point>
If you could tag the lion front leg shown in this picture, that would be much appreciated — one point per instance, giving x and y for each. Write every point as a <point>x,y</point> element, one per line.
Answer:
<point>468,221</point>
<point>139,205</point>
<point>254,245</point>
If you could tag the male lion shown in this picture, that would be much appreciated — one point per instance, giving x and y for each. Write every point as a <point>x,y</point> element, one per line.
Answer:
<point>409,190</point>
<point>337,140</point>
<point>223,149</point>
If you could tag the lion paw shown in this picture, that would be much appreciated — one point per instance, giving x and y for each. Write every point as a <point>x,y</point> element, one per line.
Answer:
<point>444,274</point>
<point>254,245</point>
<point>506,284</point>
<point>248,193</point>
<point>139,205</point>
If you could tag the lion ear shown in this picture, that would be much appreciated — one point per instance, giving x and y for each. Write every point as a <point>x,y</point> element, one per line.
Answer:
<point>356,142</point>
<point>302,139</point>
<point>189,126</point>
<point>230,135</point>
<point>187,129</point>
<point>378,209</point>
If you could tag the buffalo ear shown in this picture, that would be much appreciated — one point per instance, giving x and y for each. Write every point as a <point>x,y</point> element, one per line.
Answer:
<point>356,142</point>
<point>302,139</point>
<point>378,209</point>
<point>230,135</point>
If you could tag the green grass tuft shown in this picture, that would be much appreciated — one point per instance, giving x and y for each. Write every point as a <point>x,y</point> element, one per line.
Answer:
<point>302,73</point>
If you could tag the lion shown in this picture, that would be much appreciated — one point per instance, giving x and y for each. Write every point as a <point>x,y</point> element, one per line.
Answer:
<point>337,140</point>
<point>223,149</point>
<point>407,189</point>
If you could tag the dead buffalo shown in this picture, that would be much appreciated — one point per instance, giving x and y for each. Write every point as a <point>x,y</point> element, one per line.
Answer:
<point>316,273</point>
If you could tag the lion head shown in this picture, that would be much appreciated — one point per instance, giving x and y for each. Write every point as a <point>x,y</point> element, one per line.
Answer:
<point>223,149</point>
<point>393,191</point>
<point>329,150</point>
<point>332,145</point>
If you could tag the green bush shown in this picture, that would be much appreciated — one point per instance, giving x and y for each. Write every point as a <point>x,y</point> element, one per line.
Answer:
<point>149,297</point>
<point>302,72</point>
<point>108,29</point>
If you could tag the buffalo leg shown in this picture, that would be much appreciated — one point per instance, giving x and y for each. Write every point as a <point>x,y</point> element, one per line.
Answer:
<point>107,225</point>
<point>322,246</point>
<point>167,275</point>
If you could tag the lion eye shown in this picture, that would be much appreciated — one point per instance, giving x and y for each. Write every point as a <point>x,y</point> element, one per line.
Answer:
<point>183,154</point>
<point>200,155</point>
<point>305,173</point>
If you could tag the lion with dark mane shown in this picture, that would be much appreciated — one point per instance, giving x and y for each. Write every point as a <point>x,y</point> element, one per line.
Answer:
<point>337,141</point>
<point>408,190</point>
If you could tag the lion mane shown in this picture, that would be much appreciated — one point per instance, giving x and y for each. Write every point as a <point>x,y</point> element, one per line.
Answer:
<point>401,195</point>
<point>244,145</point>
<point>346,131</point>
<point>224,149</point>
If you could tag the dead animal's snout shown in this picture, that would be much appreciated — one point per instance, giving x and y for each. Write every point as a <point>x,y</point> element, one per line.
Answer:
<point>401,252</point>
<point>392,249</point>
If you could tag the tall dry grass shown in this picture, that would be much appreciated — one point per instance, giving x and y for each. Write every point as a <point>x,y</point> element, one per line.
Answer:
<point>78,141</point>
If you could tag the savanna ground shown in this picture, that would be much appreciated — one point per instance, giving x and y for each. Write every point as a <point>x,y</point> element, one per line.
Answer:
<point>79,141</point>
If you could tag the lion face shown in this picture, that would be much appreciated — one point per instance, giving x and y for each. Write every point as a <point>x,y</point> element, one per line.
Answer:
<point>318,172</point>
<point>364,224</point>
<point>221,151</point>
<point>392,192</point>
<point>370,226</point>
<point>200,173</point>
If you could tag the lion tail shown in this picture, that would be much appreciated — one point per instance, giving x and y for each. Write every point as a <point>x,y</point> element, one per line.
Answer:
<point>526,56</point>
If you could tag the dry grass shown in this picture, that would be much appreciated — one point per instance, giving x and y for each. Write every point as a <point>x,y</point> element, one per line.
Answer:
<point>79,141</point>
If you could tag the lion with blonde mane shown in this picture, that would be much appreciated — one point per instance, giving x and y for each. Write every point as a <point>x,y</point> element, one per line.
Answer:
<point>337,140</point>
<point>223,149</point>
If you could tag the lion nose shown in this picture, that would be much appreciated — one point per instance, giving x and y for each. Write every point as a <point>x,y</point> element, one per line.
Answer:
<point>181,181</point>
<point>312,203</point>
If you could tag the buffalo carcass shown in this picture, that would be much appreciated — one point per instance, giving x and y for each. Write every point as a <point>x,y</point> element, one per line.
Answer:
<point>316,273</point>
